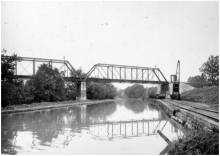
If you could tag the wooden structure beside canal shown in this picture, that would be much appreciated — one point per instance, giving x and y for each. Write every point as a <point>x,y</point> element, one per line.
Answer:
<point>191,114</point>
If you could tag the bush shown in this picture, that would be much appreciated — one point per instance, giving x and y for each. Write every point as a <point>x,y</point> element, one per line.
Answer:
<point>208,95</point>
<point>135,91</point>
<point>70,91</point>
<point>151,92</point>
<point>200,142</point>
<point>12,93</point>
<point>46,85</point>
<point>12,89</point>
<point>100,91</point>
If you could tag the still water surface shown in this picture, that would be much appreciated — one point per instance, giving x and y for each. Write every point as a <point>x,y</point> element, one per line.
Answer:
<point>116,128</point>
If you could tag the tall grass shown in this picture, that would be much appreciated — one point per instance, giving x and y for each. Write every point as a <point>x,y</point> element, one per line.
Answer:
<point>199,142</point>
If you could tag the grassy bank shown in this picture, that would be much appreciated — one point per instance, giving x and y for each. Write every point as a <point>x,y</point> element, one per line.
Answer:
<point>209,95</point>
<point>197,143</point>
<point>49,105</point>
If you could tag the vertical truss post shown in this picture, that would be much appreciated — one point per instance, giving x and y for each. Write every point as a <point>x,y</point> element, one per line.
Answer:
<point>125,129</point>
<point>50,63</point>
<point>148,74</point>
<point>131,73</point>
<point>132,127</point>
<point>112,72</point>
<point>33,66</point>
<point>107,129</point>
<point>108,72</point>
<point>112,129</point>
<point>125,72</point>
<point>148,127</point>
<point>142,74</point>
<point>136,74</point>
<point>120,73</point>
<point>120,127</point>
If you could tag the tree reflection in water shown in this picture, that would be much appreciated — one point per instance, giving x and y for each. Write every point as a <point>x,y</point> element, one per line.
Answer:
<point>45,125</point>
<point>100,112</point>
<point>59,127</point>
<point>139,105</point>
<point>136,105</point>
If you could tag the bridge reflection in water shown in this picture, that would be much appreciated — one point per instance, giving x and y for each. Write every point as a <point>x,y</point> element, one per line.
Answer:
<point>88,129</point>
<point>125,129</point>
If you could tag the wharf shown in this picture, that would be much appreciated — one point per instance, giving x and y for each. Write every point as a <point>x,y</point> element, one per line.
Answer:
<point>202,113</point>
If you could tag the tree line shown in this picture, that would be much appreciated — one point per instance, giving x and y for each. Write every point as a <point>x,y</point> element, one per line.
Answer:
<point>209,73</point>
<point>47,85</point>
<point>209,76</point>
<point>139,92</point>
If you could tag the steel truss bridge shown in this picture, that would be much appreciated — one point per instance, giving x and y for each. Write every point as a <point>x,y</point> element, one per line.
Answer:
<point>26,67</point>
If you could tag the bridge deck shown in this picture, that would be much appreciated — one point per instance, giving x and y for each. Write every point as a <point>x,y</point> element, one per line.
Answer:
<point>103,80</point>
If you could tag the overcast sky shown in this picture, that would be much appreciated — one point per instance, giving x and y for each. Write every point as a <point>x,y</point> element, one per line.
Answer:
<point>127,33</point>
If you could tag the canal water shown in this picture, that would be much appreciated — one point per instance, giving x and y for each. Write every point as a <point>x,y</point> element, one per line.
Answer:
<point>122,127</point>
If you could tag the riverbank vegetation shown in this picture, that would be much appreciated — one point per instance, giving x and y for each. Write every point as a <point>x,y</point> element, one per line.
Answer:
<point>135,91</point>
<point>208,95</point>
<point>209,73</point>
<point>199,142</point>
<point>100,91</point>
<point>139,92</point>
<point>207,84</point>
<point>47,85</point>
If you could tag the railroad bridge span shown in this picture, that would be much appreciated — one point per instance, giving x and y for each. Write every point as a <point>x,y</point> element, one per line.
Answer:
<point>26,67</point>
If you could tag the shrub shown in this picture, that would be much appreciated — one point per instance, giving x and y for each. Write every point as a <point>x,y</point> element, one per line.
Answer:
<point>135,91</point>
<point>100,91</point>
<point>199,142</point>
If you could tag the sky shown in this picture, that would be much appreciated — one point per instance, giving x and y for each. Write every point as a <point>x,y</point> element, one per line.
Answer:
<point>135,33</point>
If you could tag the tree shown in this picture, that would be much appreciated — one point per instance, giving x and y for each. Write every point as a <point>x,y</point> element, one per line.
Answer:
<point>151,92</point>
<point>70,91</point>
<point>46,85</point>
<point>135,91</point>
<point>7,67</point>
<point>211,69</point>
<point>100,91</point>
<point>12,88</point>
<point>198,80</point>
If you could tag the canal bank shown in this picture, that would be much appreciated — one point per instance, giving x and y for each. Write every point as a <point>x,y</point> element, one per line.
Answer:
<point>192,115</point>
<point>50,105</point>
<point>201,122</point>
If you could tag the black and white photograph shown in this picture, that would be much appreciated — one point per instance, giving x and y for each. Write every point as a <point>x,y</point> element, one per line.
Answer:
<point>109,77</point>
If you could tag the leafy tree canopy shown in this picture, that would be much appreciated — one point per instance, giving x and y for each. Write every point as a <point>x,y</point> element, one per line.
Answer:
<point>7,66</point>
<point>211,69</point>
<point>135,91</point>
<point>100,91</point>
<point>198,80</point>
<point>47,84</point>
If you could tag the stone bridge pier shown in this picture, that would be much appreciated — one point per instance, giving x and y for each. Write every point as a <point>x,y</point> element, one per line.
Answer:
<point>81,91</point>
